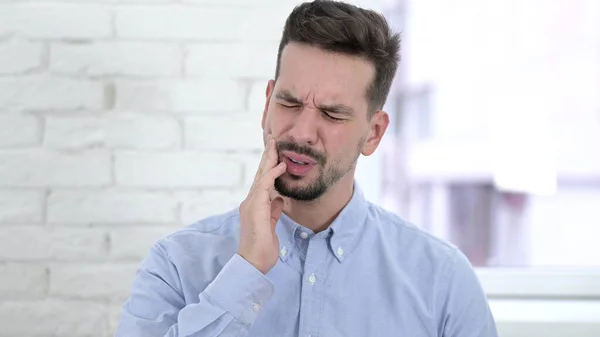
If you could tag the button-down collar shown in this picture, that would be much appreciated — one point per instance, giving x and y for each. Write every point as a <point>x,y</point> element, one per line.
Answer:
<point>342,234</point>
<point>285,230</point>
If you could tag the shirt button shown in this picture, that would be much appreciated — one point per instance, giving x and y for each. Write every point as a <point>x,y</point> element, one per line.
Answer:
<point>303,235</point>
<point>340,251</point>
<point>255,307</point>
<point>283,252</point>
<point>312,279</point>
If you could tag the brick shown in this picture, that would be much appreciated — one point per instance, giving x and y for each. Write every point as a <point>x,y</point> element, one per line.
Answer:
<point>53,318</point>
<point>179,22</point>
<point>256,28</point>
<point>91,281</point>
<point>224,2</point>
<point>18,206</point>
<point>247,2</point>
<point>137,131</point>
<point>122,1</point>
<point>56,20</point>
<point>23,281</point>
<point>243,132</point>
<point>117,58</point>
<point>196,207</point>
<point>45,92</point>
<point>114,316</point>
<point>222,23</point>
<point>257,96</point>
<point>118,1</point>
<point>235,60</point>
<point>86,244</point>
<point>122,247</point>
<point>181,95</point>
<point>172,170</point>
<point>17,56</point>
<point>251,161</point>
<point>64,244</point>
<point>240,2</point>
<point>74,132</point>
<point>111,206</point>
<point>40,168</point>
<point>18,130</point>
<point>115,131</point>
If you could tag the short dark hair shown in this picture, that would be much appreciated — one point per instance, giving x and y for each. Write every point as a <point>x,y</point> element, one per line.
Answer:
<point>344,28</point>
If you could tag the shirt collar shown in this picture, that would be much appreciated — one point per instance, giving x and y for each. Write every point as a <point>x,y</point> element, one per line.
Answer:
<point>286,229</point>
<point>342,234</point>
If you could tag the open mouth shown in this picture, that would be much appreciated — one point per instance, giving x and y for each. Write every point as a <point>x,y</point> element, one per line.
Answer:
<point>297,164</point>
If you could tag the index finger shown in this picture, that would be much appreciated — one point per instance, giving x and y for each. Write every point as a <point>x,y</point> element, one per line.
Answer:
<point>266,161</point>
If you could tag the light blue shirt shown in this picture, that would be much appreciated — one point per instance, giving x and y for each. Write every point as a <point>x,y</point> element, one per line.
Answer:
<point>370,274</point>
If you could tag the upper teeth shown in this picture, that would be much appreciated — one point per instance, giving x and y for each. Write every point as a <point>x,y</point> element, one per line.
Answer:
<point>297,162</point>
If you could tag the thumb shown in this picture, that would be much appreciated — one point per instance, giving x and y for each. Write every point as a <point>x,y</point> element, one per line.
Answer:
<point>276,209</point>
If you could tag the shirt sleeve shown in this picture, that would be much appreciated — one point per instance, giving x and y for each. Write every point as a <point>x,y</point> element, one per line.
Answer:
<point>227,307</point>
<point>465,311</point>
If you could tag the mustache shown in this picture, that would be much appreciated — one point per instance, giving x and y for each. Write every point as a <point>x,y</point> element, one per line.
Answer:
<point>319,157</point>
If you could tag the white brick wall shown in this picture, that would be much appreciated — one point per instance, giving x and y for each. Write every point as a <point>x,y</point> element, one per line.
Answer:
<point>54,317</point>
<point>110,206</point>
<point>55,20</point>
<point>30,243</point>
<point>47,92</point>
<point>116,131</point>
<point>18,130</point>
<point>117,58</point>
<point>21,206</point>
<point>22,281</point>
<point>244,60</point>
<point>18,56</point>
<point>197,96</point>
<point>91,281</point>
<point>120,122</point>
<point>205,133</point>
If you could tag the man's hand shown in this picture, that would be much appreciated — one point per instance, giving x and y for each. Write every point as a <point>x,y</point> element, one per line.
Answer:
<point>259,213</point>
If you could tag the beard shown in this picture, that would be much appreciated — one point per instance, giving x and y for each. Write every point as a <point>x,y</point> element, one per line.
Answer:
<point>326,178</point>
<point>313,190</point>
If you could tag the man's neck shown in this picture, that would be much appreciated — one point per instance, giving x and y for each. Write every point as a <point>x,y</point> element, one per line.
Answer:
<point>318,214</point>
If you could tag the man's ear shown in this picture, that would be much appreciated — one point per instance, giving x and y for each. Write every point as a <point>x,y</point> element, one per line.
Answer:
<point>268,94</point>
<point>377,127</point>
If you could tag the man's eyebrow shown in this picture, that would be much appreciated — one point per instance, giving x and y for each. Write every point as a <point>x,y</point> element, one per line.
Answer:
<point>338,109</point>
<point>333,108</point>
<point>288,97</point>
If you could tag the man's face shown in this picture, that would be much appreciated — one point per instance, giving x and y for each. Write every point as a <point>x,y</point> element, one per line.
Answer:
<point>317,112</point>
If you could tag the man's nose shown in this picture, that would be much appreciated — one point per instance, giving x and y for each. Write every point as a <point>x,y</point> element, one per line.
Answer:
<point>304,128</point>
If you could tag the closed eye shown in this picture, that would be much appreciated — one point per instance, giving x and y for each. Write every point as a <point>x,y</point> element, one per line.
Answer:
<point>333,117</point>
<point>289,106</point>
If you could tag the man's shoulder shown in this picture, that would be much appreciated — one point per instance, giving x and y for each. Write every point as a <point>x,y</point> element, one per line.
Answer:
<point>411,239</point>
<point>218,231</point>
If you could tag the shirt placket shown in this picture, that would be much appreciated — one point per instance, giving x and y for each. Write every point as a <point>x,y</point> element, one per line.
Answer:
<point>313,281</point>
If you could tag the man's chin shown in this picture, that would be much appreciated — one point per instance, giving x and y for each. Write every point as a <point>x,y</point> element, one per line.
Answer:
<point>286,184</point>
<point>291,181</point>
<point>298,188</point>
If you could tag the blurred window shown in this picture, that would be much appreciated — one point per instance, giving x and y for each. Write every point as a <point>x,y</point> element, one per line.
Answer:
<point>495,142</point>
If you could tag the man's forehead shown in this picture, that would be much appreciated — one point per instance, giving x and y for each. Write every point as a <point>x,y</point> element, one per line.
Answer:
<point>306,70</point>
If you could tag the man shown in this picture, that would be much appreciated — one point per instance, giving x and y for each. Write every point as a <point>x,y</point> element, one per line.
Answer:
<point>305,254</point>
